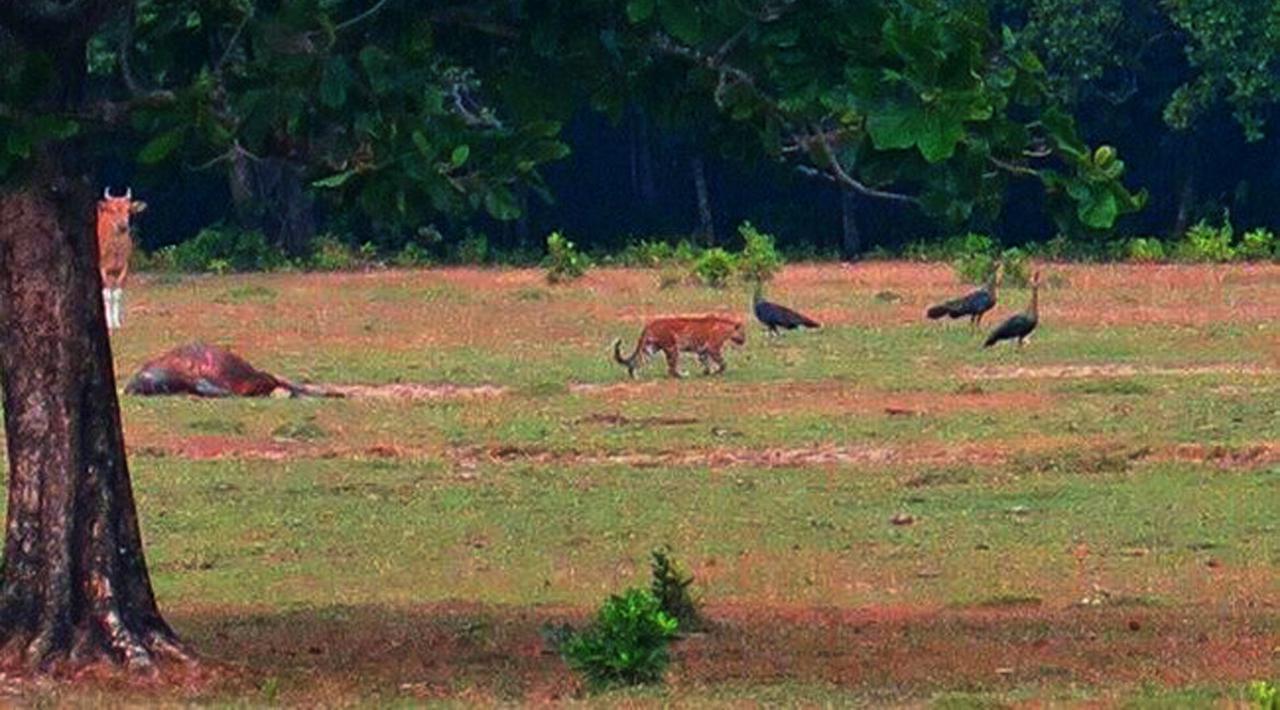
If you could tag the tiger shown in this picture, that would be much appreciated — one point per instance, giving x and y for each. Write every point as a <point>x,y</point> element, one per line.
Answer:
<point>705,336</point>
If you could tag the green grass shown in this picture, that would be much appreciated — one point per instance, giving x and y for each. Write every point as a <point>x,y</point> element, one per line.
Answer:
<point>1007,482</point>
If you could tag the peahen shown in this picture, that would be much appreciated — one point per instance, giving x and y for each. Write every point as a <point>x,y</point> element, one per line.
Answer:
<point>975,305</point>
<point>774,316</point>
<point>1020,325</point>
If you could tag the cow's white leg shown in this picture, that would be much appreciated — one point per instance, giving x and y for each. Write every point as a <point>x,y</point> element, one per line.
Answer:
<point>119,307</point>
<point>106,307</point>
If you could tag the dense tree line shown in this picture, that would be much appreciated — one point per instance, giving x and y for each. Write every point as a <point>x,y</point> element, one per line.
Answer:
<point>838,125</point>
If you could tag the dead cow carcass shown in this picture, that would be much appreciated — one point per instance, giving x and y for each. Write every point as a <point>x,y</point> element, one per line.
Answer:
<point>211,371</point>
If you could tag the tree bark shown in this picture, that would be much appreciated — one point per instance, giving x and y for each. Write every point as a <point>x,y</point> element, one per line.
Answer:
<point>706,221</point>
<point>75,589</point>
<point>850,238</point>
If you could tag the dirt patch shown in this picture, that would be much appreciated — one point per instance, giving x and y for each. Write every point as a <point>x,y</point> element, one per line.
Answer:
<point>413,391</point>
<point>755,458</point>
<point>608,419</point>
<point>1251,456</point>
<point>1113,370</point>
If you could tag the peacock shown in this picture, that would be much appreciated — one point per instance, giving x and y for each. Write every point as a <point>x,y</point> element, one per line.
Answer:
<point>975,305</point>
<point>774,316</point>
<point>1020,325</point>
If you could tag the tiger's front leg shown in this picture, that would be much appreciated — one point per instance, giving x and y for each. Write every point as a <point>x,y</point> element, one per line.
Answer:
<point>718,357</point>
<point>673,362</point>
<point>706,362</point>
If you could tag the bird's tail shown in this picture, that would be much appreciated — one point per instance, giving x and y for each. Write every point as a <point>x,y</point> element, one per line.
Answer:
<point>629,362</point>
<point>808,322</point>
<point>991,340</point>
<point>938,311</point>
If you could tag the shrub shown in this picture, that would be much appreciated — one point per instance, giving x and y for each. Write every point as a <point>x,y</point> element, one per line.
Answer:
<point>714,267</point>
<point>973,256</point>
<point>564,262</point>
<point>646,254</point>
<point>1258,244</point>
<point>330,254</point>
<point>1266,696</point>
<point>1206,243</point>
<point>1144,250</point>
<point>472,249</point>
<point>220,248</point>
<point>1017,267</point>
<point>760,259</point>
<point>413,255</point>
<point>670,586</point>
<point>626,644</point>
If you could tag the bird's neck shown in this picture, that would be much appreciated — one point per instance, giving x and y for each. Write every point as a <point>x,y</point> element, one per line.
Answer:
<point>1035,301</point>
<point>758,295</point>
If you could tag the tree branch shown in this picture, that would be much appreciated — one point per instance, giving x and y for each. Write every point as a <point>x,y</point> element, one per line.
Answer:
<point>377,7</point>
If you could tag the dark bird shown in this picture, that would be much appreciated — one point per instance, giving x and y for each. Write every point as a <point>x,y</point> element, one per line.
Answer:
<point>975,305</point>
<point>1020,325</point>
<point>774,316</point>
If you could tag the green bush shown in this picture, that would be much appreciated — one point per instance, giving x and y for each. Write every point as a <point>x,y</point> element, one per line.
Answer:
<point>973,256</point>
<point>564,262</point>
<point>646,254</point>
<point>1266,696</point>
<point>670,585</point>
<point>1258,245</point>
<point>760,259</point>
<point>412,256</point>
<point>221,248</point>
<point>1144,250</point>
<point>328,253</point>
<point>472,249</point>
<point>1206,243</point>
<point>626,644</point>
<point>714,267</point>
<point>1017,267</point>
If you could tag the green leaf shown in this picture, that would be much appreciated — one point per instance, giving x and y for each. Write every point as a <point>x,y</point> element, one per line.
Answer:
<point>334,82</point>
<point>681,19</point>
<point>1099,210</point>
<point>422,144</point>
<point>160,147</point>
<point>460,155</point>
<point>501,204</point>
<point>640,10</point>
<point>18,144</point>
<point>336,180</point>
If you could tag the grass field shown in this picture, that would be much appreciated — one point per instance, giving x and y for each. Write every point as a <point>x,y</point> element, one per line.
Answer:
<point>1096,518</point>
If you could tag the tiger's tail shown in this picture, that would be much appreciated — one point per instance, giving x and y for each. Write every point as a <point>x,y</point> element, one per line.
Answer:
<point>632,362</point>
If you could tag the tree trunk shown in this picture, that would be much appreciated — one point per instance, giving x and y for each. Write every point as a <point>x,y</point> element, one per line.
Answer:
<point>850,238</point>
<point>706,221</point>
<point>75,588</point>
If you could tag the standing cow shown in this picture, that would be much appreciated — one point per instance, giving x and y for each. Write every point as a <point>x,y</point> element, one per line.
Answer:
<point>115,245</point>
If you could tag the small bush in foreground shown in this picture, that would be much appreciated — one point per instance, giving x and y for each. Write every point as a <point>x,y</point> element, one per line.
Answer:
<point>564,262</point>
<point>670,586</point>
<point>714,267</point>
<point>760,260</point>
<point>626,644</point>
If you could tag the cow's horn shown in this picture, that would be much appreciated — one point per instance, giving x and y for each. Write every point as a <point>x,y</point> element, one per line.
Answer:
<point>106,192</point>
<point>128,193</point>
